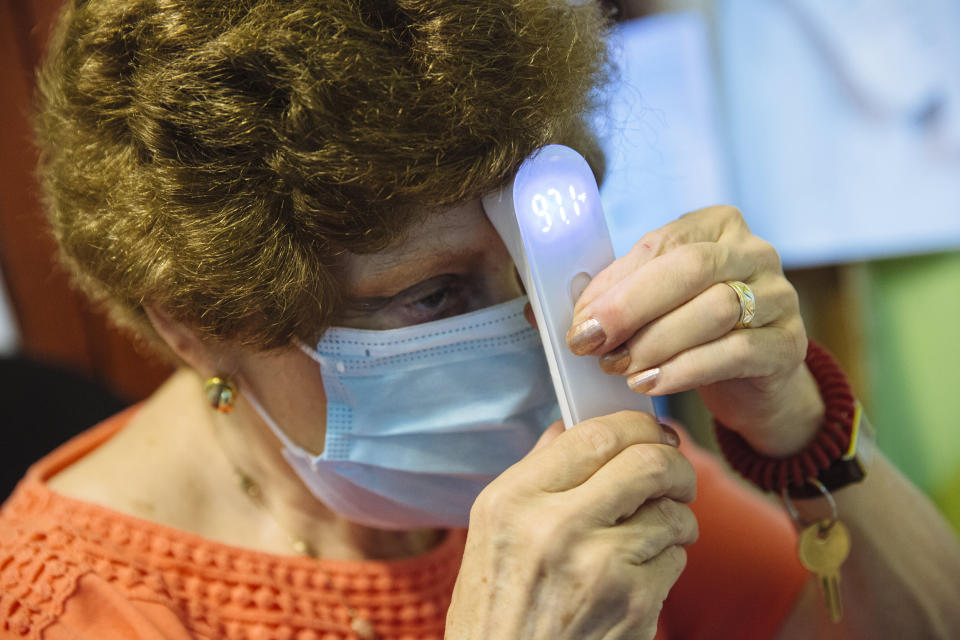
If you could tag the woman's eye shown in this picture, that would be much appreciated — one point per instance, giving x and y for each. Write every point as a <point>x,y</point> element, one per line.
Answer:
<point>433,301</point>
<point>447,297</point>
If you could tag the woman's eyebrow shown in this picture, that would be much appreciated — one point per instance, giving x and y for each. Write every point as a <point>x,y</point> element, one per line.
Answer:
<point>390,276</point>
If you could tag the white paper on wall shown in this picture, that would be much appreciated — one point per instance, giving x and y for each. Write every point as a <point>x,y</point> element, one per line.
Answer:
<point>844,123</point>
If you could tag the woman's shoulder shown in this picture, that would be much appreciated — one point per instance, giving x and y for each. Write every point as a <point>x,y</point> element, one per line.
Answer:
<point>65,531</point>
<point>44,554</point>
<point>64,573</point>
<point>38,524</point>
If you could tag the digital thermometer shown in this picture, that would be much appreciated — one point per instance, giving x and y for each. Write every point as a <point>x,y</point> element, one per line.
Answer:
<point>551,221</point>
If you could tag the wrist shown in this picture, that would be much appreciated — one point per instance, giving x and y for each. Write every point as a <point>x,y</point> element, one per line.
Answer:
<point>796,421</point>
<point>824,459</point>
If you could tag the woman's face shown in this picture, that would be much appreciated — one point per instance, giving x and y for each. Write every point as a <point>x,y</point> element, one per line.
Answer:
<point>452,263</point>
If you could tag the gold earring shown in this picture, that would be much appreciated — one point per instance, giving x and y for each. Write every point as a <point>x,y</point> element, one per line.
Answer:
<point>220,393</point>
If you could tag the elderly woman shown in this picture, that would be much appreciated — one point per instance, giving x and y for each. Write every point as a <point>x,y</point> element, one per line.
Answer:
<point>284,198</point>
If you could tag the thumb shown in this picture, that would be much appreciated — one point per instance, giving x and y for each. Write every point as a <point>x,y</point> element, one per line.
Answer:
<point>547,436</point>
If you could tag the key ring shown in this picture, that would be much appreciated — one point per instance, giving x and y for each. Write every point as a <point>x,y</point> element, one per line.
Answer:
<point>795,515</point>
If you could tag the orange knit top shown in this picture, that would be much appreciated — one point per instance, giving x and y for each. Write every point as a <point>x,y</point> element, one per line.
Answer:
<point>75,570</point>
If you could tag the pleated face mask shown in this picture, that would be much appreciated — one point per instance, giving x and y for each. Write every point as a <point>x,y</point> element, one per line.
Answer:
<point>420,419</point>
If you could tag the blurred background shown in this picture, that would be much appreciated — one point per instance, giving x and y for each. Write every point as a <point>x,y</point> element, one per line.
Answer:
<point>835,127</point>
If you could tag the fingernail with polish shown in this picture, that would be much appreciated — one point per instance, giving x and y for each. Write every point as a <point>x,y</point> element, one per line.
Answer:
<point>669,435</point>
<point>643,381</point>
<point>616,362</point>
<point>586,336</point>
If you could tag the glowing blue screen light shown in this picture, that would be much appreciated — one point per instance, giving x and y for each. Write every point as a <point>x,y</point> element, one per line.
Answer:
<point>554,194</point>
<point>556,205</point>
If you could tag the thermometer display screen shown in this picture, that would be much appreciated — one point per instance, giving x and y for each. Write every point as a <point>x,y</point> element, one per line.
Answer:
<point>554,194</point>
<point>558,206</point>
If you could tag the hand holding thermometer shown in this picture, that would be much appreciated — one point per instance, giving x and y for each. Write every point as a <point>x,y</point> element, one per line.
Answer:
<point>550,218</point>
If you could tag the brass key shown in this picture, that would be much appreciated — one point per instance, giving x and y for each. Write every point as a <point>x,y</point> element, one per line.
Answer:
<point>822,548</point>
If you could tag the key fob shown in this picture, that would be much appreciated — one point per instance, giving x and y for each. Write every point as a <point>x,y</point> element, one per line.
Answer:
<point>551,221</point>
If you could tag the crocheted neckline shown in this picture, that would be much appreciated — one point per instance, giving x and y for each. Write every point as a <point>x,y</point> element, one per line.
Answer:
<point>33,494</point>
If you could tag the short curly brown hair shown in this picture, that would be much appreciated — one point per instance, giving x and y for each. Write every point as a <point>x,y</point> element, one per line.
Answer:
<point>214,157</point>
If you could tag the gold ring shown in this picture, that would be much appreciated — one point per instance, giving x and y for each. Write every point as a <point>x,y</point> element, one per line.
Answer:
<point>748,303</point>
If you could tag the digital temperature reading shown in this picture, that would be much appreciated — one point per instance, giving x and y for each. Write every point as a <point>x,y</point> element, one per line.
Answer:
<point>542,205</point>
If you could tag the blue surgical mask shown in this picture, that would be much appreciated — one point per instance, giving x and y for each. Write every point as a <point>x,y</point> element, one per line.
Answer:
<point>420,419</point>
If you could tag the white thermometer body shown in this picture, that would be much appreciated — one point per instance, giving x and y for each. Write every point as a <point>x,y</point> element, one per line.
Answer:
<point>551,221</point>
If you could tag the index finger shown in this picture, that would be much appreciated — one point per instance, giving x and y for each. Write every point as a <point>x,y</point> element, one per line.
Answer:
<point>703,225</point>
<point>657,288</point>
<point>576,454</point>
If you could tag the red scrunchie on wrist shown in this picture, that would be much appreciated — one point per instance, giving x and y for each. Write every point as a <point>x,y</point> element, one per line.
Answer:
<point>829,445</point>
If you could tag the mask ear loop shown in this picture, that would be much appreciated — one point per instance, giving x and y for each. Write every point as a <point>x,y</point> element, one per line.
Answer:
<point>319,358</point>
<point>305,348</point>
<point>795,515</point>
